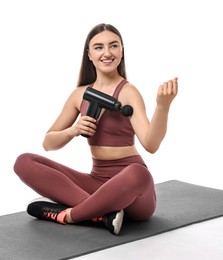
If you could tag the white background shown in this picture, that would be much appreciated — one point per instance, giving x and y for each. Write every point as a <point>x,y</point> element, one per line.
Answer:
<point>41,45</point>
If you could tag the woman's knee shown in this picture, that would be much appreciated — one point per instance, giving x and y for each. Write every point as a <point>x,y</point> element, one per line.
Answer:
<point>145,215</point>
<point>22,163</point>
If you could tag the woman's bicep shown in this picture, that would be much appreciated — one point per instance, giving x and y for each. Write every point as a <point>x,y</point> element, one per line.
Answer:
<point>139,120</point>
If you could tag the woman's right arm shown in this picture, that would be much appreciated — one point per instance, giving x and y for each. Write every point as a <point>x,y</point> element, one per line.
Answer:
<point>66,126</point>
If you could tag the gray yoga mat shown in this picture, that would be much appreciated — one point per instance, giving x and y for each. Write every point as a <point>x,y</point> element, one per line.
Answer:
<point>178,204</point>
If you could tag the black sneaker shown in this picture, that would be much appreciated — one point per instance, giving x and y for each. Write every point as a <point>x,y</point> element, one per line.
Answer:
<point>46,209</point>
<point>113,221</point>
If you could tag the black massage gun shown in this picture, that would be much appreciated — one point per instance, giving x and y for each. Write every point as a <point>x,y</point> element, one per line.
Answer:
<point>98,100</point>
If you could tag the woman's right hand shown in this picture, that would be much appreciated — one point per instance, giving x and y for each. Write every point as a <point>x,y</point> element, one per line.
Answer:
<point>85,126</point>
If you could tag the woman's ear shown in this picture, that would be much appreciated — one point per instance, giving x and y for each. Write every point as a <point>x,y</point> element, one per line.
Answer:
<point>89,56</point>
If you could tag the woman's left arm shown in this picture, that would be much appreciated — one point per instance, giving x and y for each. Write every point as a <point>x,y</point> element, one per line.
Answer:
<point>151,134</point>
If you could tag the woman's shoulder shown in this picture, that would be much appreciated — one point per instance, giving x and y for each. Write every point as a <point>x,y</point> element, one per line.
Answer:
<point>130,90</point>
<point>76,96</point>
<point>78,91</point>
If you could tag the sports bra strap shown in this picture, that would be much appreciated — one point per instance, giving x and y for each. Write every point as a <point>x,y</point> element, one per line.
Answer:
<point>119,88</point>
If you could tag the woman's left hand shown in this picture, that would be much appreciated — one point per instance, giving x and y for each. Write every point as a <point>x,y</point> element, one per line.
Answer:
<point>167,92</point>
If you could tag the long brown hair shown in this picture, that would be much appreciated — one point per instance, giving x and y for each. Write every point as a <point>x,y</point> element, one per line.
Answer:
<point>87,73</point>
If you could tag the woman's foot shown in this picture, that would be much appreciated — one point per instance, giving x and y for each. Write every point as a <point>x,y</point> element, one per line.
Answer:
<point>46,209</point>
<point>113,221</point>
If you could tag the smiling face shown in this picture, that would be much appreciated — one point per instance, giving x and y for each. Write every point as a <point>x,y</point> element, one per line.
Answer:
<point>105,51</point>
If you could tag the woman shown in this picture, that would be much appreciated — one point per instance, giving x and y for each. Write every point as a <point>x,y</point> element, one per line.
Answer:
<point>119,182</point>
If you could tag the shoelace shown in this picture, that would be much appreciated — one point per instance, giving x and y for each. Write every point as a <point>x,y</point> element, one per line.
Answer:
<point>98,219</point>
<point>51,215</point>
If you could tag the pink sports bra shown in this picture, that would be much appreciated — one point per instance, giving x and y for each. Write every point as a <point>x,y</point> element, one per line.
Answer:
<point>113,128</point>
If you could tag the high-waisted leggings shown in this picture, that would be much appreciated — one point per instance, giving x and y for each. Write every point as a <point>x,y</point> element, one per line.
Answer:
<point>112,185</point>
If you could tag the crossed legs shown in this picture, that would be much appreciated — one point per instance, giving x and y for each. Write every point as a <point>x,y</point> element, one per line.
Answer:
<point>131,189</point>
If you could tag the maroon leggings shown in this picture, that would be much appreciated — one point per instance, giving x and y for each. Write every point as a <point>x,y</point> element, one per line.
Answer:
<point>111,186</point>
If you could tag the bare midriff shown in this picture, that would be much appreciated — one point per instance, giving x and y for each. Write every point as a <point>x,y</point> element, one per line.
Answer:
<point>112,153</point>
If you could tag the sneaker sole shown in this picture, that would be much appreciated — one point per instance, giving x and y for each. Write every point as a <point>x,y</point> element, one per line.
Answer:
<point>117,222</point>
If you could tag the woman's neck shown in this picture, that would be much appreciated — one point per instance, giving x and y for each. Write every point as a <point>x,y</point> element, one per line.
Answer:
<point>107,82</point>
